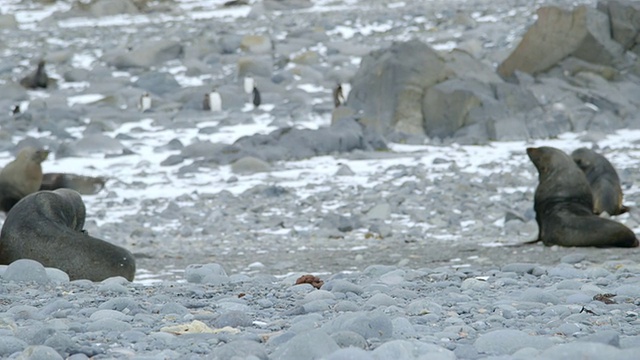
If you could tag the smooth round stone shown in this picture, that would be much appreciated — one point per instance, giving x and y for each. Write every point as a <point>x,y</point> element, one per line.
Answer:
<point>319,295</point>
<point>581,350</point>
<point>538,295</point>
<point>381,300</point>
<point>312,344</point>
<point>109,314</point>
<point>342,286</point>
<point>573,258</point>
<point>406,349</point>
<point>40,352</point>
<point>506,342</point>
<point>350,353</point>
<point>108,325</point>
<point>26,270</point>
<point>10,345</point>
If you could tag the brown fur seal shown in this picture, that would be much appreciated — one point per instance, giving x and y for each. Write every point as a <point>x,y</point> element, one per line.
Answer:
<point>603,179</point>
<point>37,79</point>
<point>85,185</point>
<point>48,227</point>
<point>564,205</point>
<point>21,177</point>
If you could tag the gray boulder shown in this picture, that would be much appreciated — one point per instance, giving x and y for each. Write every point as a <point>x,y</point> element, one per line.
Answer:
<point>101,8</point>
<point>391,83</point>
<point>158,83</point>
<point>148,54</point>
<point>583,33</point>
<point>625,21</point>
<point>279,5</point>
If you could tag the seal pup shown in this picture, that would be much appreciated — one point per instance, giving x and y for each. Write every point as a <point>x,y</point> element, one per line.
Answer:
<point>47,226</point>
<point>21,176</point>
<point>212,101</point>
<point>256,97</point>
<point>603,179</point>
<point>37,79</point>
<point>145,102</point>
<point>338,96</point>
<point>564,205</point>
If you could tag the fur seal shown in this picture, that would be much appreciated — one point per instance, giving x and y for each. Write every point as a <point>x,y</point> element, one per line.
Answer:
<point>338,96</point>
<point>47,226</point>
<point>256,97</point>
<point>145,102</point>
<point>212,101</point>
<point>564,205</point>
<point>21,176</point>
<point>85,185</point>
<point>603,179</point>
<point>37,79</point>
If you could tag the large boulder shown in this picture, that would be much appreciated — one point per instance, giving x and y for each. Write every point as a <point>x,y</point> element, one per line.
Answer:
<point>411,89</point>
<point>390,84</point>
<point>625,21</point>
<point>558,33</point>
<point>144,56</point>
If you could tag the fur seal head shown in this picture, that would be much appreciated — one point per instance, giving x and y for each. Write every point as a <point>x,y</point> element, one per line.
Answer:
<point>21,176</point>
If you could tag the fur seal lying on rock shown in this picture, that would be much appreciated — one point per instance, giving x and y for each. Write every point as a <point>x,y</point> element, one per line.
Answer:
<point>48,227</point>
<point>21,177</point>
<point>564,205</point>
<point>85,185</point>
<point>603,179</point>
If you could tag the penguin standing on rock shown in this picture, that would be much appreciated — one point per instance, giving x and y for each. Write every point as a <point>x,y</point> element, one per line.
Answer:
<point>145,102</point>
<point>256,97</point>
<point>338,96</point>
<point>212,101</point>
<point>249,84</point>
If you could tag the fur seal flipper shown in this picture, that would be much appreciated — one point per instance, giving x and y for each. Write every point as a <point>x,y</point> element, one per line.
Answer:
<point>564,205</point>
<point>48,227</point>
<point>603,180</point>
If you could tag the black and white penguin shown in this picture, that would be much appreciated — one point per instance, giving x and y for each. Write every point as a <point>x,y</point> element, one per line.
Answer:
<point>338,96</point>
<point>256,97</point>
<point>249,84</point>
<point>212,101</point>
<point>145,102</point>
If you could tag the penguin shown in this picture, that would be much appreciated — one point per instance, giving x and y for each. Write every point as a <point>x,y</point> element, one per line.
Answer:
<point>249,84</point>
<point>145,102</point>
<point>256,97</point>
<point>338,97</point>
<point>212,101</point>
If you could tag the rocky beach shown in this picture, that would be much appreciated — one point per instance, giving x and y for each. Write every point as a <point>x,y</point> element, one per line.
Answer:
<point>406,204</point>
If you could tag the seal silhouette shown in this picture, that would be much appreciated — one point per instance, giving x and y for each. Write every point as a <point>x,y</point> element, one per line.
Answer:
<point>37,79</point>
<point>564,205</point>
<point>21,176</point>
<point>603,179</point>
<point>47,226</point>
